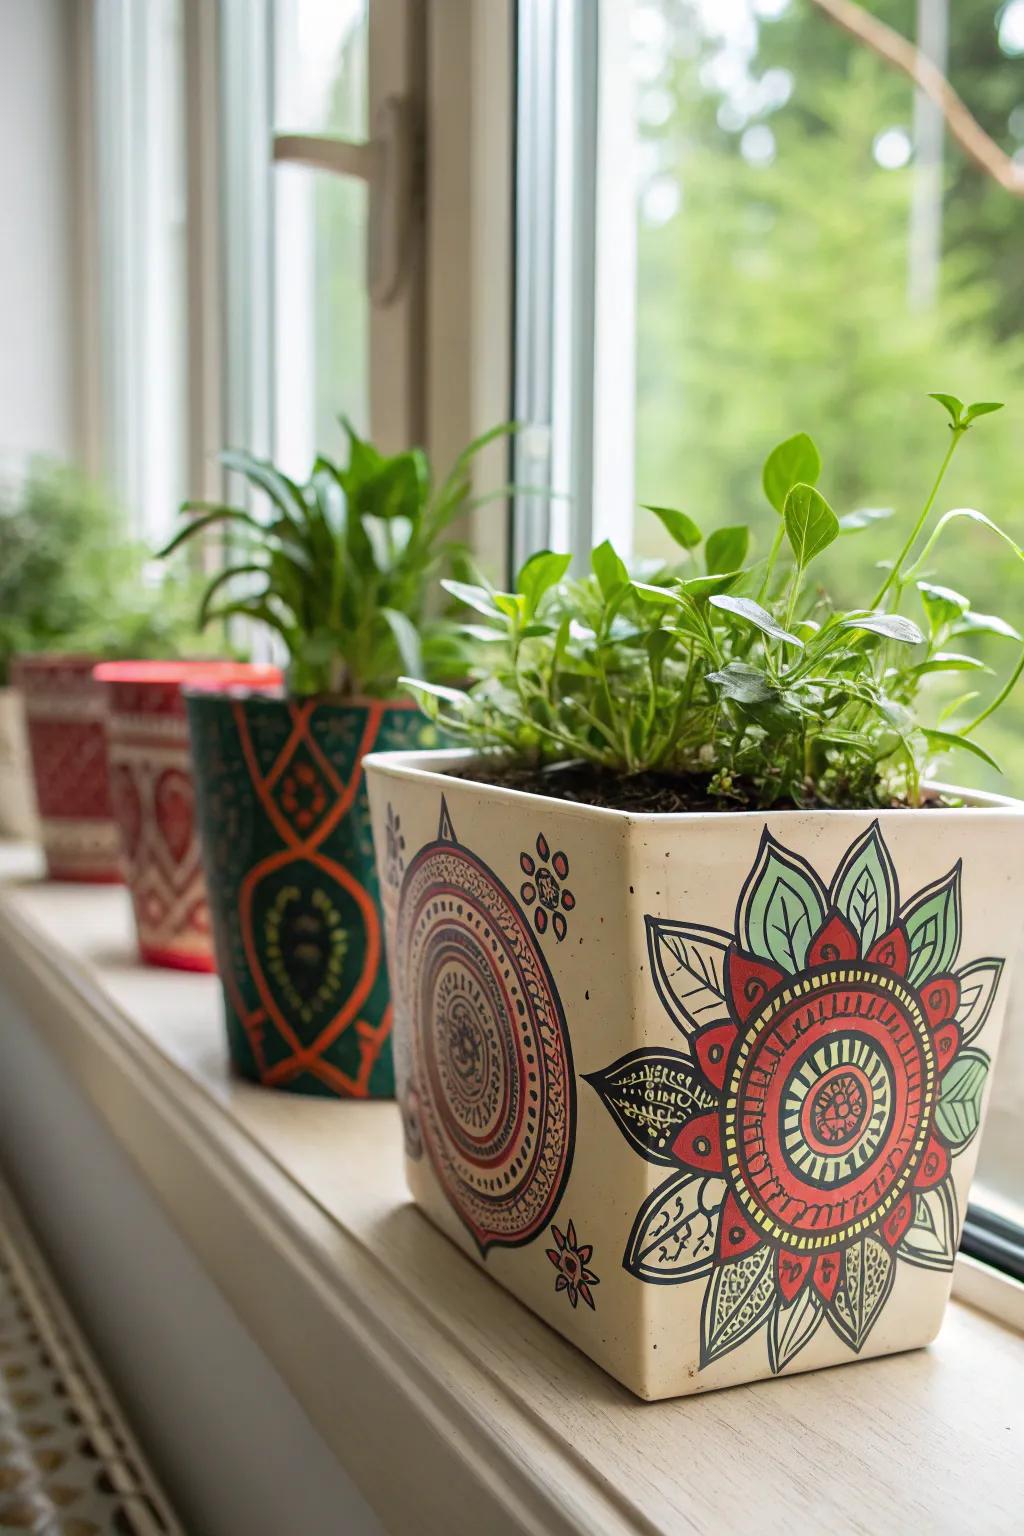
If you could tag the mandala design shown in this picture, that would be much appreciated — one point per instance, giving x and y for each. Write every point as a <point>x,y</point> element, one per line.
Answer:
<point>828,1081</point>
<point>491,1087</point>
<point>293,886</point>
<point>544,889</point>
<point>571,1259</point>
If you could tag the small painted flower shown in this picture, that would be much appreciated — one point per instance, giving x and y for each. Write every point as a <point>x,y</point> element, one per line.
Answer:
<point>544,889</point>
<point>571,1258</point>
<point>303,795</point>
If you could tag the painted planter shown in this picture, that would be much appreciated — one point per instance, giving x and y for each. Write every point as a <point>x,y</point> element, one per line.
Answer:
<point>701,1090</point>
<point>293,887</point>
<point>153,799</point>
<point>64,710</point>
<point>17,802</point>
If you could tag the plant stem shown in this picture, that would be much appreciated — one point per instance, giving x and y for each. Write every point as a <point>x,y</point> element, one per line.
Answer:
<point>773,555</point>
<point>893,575</point>
<point>1000,698</point>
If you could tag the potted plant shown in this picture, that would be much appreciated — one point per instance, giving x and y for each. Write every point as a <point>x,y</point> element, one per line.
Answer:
<point>73,590</point>
<point>697,978</point>
<point>153,798</point>
<point>339,570</point>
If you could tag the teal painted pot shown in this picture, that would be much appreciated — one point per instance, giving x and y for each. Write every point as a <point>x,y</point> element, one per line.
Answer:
<point>293,891</point>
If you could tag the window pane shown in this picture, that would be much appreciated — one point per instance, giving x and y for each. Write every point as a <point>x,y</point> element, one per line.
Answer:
<point>321,307</point>
<point>812,256</point>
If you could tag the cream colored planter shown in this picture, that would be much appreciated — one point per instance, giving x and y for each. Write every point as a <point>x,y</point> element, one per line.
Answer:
<point>17,801</point>
<point>704,1090</point>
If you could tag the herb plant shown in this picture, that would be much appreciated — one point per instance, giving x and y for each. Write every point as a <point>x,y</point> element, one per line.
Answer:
<point>71,581</point>
<point>340,567</point>
<point>739,676</point>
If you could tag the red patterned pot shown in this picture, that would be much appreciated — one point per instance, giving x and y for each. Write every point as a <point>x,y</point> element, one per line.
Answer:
<point>153,797</point>
<point>67,742</point>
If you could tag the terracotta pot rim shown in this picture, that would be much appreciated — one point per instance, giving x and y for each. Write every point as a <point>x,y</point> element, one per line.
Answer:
<point>193,671</point>
<point>432,766</point>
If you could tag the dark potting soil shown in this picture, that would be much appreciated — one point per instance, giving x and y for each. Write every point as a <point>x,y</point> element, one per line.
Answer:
<point>661,793</point>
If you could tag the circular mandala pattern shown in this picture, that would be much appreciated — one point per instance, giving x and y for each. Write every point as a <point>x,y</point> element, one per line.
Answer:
<point>829,1106</point>
<point>492,1060</point>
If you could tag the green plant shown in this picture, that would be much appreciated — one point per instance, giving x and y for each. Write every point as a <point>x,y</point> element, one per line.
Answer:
<point>741,677</point>
<point>341,566</point>
<point>71,581</point>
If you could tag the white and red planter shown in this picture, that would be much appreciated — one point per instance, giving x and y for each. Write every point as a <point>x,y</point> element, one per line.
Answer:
<point>153,798</point>
<point>17,801</point>
<point>703,1091</point>
<point>64,711</point>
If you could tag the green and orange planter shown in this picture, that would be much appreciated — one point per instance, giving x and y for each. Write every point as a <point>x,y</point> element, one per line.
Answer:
<point>292,885</point>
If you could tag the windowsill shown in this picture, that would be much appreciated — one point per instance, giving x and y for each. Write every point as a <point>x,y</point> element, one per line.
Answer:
<point>449,1404</point>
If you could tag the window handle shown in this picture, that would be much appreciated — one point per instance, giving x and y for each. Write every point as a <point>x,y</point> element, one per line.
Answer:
<point>392,167</point>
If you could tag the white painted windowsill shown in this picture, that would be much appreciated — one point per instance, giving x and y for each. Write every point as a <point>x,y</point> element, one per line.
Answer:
<point>449,1405</point>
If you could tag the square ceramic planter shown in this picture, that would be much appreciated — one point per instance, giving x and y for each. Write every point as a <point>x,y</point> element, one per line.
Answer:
<point>292,884</point>
<point>702,1090</point>
<point>17,801</point>
<point>64,710</point>
<point>153,796</point>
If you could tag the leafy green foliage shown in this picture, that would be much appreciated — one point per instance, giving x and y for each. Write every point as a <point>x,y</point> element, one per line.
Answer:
<point>753,684</point>
<point>340,566</point>
<point>71,581</point>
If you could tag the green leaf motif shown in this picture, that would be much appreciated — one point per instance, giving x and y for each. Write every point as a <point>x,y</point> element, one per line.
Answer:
<point>933,921</point>
<point>811,525</point>
<point>978,984</point>
<point>688,964</point>
<point>958,1112</point>
<point>782,906</point>
<point>930,1241</point>
<point>792,1327</point>
<point>651,1094</point>
<point>865,889</point>
<point>869,1272</point>
<point>739,1300</point>
<point>793,462</point>
<point>673,1237</point>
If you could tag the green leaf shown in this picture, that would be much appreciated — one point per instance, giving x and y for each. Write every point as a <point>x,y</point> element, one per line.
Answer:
<point>933,922</point>
<point>958,1112</point>
<point>702,587</point>
<point>673,1235</point>
<point>738,1302</point>
<point>863,517</point>
<point>750,612</point>
<point>930,1241</point>
<point>782,906</point>
<point>745,684</point>
<point>207,519</point>
<point>794,462</point>
<point>452,696</point>
<point>658,597</point>
<point>474,597</point>
<point>981,408</point>
<point>949,661</point>
<point>949,741</point>
<point>608,568</point>
<point>651,1094</point>
<point>865,888</point>
<point>979,982</point>
<point>953,406</point>
<point>679,525</point>
<point>541,572</point>
<point>891,626</point>
<point>811,525</point>
<point>985,624</point>
<point>726,549</point>
<point>688,966</point>
<point>941,604</point>
<point>406,638</point>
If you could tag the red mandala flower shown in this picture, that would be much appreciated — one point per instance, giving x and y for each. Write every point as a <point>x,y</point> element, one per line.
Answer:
<point>828,1084</point>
